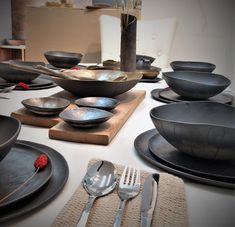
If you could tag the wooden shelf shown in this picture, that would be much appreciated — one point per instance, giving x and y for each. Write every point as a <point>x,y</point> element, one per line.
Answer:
<point>9,52</point>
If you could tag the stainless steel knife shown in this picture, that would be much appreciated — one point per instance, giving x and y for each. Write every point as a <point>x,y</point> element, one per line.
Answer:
<point>149,197</point>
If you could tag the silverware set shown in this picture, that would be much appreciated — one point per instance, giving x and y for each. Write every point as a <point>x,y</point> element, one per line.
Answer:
<point>101,179</point>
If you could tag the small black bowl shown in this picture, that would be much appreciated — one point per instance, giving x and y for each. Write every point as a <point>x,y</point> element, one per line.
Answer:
<point>143,61</point>
<point>13,75</point>
<point>63,59</point>
<point>192,66</point>
<point>97,102</point>
<point>85,117</point>
<point>10,129</point>
<point>46,105</point>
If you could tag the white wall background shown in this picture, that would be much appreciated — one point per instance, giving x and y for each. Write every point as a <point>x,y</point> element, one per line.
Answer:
<point>205,31</point>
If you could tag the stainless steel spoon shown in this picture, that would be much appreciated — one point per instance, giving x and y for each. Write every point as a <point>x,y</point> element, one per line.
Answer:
<point>100,179</point>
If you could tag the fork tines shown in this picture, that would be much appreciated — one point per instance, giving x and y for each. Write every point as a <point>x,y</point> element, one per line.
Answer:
<point>130,176</point>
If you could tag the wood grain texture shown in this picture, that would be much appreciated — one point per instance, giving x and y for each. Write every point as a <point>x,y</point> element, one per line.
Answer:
<point>104,133</point>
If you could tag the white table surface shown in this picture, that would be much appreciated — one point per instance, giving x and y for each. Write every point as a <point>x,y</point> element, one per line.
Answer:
<point>207,205</point>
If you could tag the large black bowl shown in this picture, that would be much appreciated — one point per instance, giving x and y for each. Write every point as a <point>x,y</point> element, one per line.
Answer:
<point>196,85</point>
<point>13,75</point>
<point>192,66</point>
<point>201,128</point>
<point>10,128</point>
<point>63,59</point>
<point>100,88</point>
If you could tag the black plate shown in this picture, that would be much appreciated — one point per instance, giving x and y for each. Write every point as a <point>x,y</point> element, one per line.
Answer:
<point>17,167</point>
<point>217,170</point>
<point>170,95</point>
<point>58,179</point>
<point>37,84</point>
<point>141,145</point>
<point>146,80</point>
<point>155,95</point>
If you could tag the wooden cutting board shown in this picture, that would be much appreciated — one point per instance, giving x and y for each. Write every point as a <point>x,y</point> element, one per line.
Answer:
<point>102,134</point>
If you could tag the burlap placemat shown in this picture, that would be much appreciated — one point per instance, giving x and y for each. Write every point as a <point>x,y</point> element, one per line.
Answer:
<point>170,209</point>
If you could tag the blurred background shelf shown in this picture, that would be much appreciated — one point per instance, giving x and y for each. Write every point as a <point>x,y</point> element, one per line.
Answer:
<point>8,52</point>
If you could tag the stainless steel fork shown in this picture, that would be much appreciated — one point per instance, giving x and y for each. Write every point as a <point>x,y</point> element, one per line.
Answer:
<point>129,187</point>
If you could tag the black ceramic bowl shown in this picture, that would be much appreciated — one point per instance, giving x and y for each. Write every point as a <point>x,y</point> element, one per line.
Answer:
<point>100,88</point>
<point>46,105</point>
<point>63,59</point>
<point>97,102</point>
<point>196,85</point>
<point>201,128</point>
<point>10,128</point>
<point>143,61</point>
<point>85,117</point>
<point>192,66</point>
<point>13,75</point>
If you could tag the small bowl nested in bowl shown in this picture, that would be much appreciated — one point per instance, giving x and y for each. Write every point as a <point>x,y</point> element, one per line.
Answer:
<point>46,105</point>
<point>143,61</point>
<point>200,128</point>
<point>196,85</point>
<point>97,102</point>
<point>13,75</point>
<point>89,87</point>
<point>63,59</point>
<point>192,66</point>
<point>10,129</point>
<point>85,117</point>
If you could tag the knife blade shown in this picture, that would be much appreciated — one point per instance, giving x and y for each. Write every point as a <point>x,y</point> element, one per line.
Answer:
<point>149,197</point>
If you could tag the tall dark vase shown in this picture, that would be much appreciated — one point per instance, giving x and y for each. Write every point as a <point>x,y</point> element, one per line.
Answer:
<point>128,43</point>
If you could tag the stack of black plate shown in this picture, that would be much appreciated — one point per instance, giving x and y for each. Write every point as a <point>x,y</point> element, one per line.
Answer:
<point>152,147</point>
<point>166,95</point>
<point>17,167</point>
<point>39,83</point>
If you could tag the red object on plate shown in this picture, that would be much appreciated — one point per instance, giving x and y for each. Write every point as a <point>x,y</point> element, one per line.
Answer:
<point>23,85</point>
<point>41,162</point>
<point>75,68</point>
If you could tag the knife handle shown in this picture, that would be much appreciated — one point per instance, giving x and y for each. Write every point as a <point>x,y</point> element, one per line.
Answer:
<point>118,217</point>
<point>145,221</point>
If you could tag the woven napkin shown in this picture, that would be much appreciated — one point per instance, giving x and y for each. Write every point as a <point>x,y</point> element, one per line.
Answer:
<point>170,209</point>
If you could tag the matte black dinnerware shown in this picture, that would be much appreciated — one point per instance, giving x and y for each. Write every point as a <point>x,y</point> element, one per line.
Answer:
<point>170,96</point>
<point>141,144</point>
<point>101,88</point>
<point>196,85</point>
<point>10,129</point>
<point>97,102</point>
<point>192,66</point>
<point>16,169</point>
<point>37,84</point>
<point>150,73</point>
<point>63,59</point>
<point>202,129</point>
<point>85,117</point>
<point>13,75</point>
<point>60,172</point>
<point>217,170</point>
<point>46,105</point>
<point>143,61</point>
